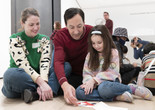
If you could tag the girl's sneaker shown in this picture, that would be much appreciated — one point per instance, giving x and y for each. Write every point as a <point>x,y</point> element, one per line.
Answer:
<point>141,91</point>
<point>126,96</point>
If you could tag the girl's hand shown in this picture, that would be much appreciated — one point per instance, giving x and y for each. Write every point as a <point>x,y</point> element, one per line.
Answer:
<point>88,86</point>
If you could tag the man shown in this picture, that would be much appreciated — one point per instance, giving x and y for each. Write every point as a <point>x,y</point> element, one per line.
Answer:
<point>137,44</point>
<point>109,22</point>
<point>70,50</point>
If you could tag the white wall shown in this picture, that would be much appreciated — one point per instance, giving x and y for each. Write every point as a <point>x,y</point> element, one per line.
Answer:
<point>5,29</point>
<point>138,19</point>
<point>65,4</point>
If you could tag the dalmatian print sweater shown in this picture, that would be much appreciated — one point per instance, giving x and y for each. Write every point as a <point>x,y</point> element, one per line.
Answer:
<point>31,54</point>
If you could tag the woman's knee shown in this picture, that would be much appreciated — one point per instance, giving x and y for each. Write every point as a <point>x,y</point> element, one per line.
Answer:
<point>16,74</point>
<point>16,77</point>
<point>10,74</point>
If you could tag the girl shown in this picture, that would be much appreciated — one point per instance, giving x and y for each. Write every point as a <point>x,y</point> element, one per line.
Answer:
<point>101,77</point>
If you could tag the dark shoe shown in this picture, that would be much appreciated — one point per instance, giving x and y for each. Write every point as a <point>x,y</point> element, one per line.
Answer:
<point>30,96</point>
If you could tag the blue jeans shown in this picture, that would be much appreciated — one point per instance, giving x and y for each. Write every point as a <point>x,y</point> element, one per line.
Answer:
<point>53,81</point>
<point>16,80</point>
<point>106,92</point>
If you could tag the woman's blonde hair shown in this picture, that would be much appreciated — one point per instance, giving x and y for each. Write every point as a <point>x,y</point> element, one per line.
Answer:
<point>27,12</point>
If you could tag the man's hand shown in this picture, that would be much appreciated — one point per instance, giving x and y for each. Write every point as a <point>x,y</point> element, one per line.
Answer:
<point>69,93</point>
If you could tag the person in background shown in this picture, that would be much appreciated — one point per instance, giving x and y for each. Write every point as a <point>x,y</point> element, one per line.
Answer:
<point>120,37</point>
<point>125,51</point>
<point>137,68</point>
<point>125,59</point>
<point>149,55</point>
<point>101,77</point>
<point>27,76</point>
<point>57,26</point>
<point>127,71</point>
<point>109,22</point>
<point>137,44</point>
<point>70,50</point>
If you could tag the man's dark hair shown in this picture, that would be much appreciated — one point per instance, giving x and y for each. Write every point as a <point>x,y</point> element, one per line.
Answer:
<point>148,47</point>
<point>71,12</point>
<point>106,13</point>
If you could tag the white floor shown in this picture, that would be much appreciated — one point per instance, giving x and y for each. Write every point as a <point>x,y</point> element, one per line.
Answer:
<point>59,104</point>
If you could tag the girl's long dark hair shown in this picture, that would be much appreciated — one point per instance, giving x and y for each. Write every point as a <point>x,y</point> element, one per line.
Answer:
<point>108,45</point>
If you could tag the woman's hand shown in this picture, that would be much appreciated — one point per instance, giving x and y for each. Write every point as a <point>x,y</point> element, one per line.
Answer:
<point>44,90</point>
<point>88,86</point>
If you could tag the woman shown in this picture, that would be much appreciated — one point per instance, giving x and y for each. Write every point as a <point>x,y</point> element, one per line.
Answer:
<point>101,77</point>
<point>29,61</point>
